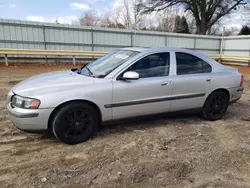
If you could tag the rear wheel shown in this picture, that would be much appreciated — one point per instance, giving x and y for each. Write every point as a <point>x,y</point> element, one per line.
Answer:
<point>215,106</point>
<point>75,122</point>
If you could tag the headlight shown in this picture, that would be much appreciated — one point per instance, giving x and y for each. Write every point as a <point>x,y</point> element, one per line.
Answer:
<point>27,103</point>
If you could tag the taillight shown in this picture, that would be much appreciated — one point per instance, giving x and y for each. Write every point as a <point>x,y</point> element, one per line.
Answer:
<point>242,80</point>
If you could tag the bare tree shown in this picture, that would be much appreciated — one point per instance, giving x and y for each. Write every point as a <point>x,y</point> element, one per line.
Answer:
<point>245,18</point>
<point>107,21</point>
<point>166,22</point>
<point>138,18</point>
<point>205,12</point>
<point>126,14</point>
<point>191,22</point>
<point>130,14</point>
<point>231,31</point>
<point>216,29</point>
<point>111,21</point>
<point>90,18</point>
<point>222,26</point>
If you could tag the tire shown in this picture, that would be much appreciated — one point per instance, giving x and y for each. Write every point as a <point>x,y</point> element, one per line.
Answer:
<point>215,106</point>
<point>75,122</point>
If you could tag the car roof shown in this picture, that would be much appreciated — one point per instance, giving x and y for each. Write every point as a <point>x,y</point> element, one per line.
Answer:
<point>145,49</point>
<point>194,52</point>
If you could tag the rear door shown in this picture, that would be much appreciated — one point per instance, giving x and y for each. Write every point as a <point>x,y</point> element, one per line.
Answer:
<point>147,95</point>
<point>192,83</point>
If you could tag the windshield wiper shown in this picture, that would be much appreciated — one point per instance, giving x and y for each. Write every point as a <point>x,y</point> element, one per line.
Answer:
<point>80,69</point>
<point>91,73</point>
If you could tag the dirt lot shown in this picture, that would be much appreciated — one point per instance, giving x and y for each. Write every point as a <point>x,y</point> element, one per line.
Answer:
<point>181,151</point>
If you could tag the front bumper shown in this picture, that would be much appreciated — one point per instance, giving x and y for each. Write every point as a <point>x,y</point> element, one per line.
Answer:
<point>29,119</point>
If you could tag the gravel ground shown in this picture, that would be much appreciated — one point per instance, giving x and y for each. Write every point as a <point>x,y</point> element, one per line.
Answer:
<point>179,151</point>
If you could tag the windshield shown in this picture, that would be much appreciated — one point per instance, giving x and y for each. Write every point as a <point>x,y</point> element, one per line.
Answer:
<point>105,65</point>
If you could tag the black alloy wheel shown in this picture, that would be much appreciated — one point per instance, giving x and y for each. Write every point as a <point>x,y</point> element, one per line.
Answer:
<point>75,122</point>
<point>215,106</point>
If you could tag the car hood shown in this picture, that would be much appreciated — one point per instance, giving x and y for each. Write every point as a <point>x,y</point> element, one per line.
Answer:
<point>51,82</point>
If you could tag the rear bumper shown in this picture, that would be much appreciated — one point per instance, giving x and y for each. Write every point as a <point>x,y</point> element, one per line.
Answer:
<point>233,101</point>
<point>235,93</point>
<point>29,119</point>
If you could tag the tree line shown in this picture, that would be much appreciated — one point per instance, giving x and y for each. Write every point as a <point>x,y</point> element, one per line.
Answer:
<point>179,16</point>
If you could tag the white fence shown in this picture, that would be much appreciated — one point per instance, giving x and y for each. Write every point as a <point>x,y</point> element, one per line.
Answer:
<point>34,35</point>
<point>17,34</point>
<point>237,45</point>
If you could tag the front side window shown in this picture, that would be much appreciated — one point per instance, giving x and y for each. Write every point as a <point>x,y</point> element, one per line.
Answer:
<point>105,65</point>
<point>190,64</point>
<point>154,65</point>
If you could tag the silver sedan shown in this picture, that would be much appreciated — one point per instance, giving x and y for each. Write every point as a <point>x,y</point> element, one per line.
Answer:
<point>126,83</point>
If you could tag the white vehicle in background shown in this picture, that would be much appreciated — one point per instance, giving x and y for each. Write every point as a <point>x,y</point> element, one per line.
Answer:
<point>126,83</point>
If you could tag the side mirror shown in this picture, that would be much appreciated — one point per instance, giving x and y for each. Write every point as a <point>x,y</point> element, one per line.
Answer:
<point>130,75</point>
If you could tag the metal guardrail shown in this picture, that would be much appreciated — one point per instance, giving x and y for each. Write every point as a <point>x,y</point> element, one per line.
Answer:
<point>219,57</point>
<point>72,53</point>
<point>232,60</point>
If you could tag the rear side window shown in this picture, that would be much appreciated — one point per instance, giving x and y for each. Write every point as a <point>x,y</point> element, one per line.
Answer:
<point>190,64</point>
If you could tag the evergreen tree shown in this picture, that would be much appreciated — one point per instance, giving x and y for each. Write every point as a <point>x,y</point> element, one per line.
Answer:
<point>181,25</point>
<point>244,31</point>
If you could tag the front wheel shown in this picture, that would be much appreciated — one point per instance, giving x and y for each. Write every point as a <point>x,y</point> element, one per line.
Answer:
<point>75,122</point>
<point>215,106</point>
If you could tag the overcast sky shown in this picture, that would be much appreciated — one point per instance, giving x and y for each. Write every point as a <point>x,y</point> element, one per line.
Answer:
<point>68,11</point>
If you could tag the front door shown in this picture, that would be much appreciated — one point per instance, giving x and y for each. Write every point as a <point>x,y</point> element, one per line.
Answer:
<point>147,95</point>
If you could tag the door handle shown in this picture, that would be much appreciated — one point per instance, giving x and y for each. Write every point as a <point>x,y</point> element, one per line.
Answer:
<point>165,83</point>
<point>208,79</point>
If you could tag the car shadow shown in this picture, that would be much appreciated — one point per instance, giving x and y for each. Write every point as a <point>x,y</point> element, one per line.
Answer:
<point>147,122</point>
